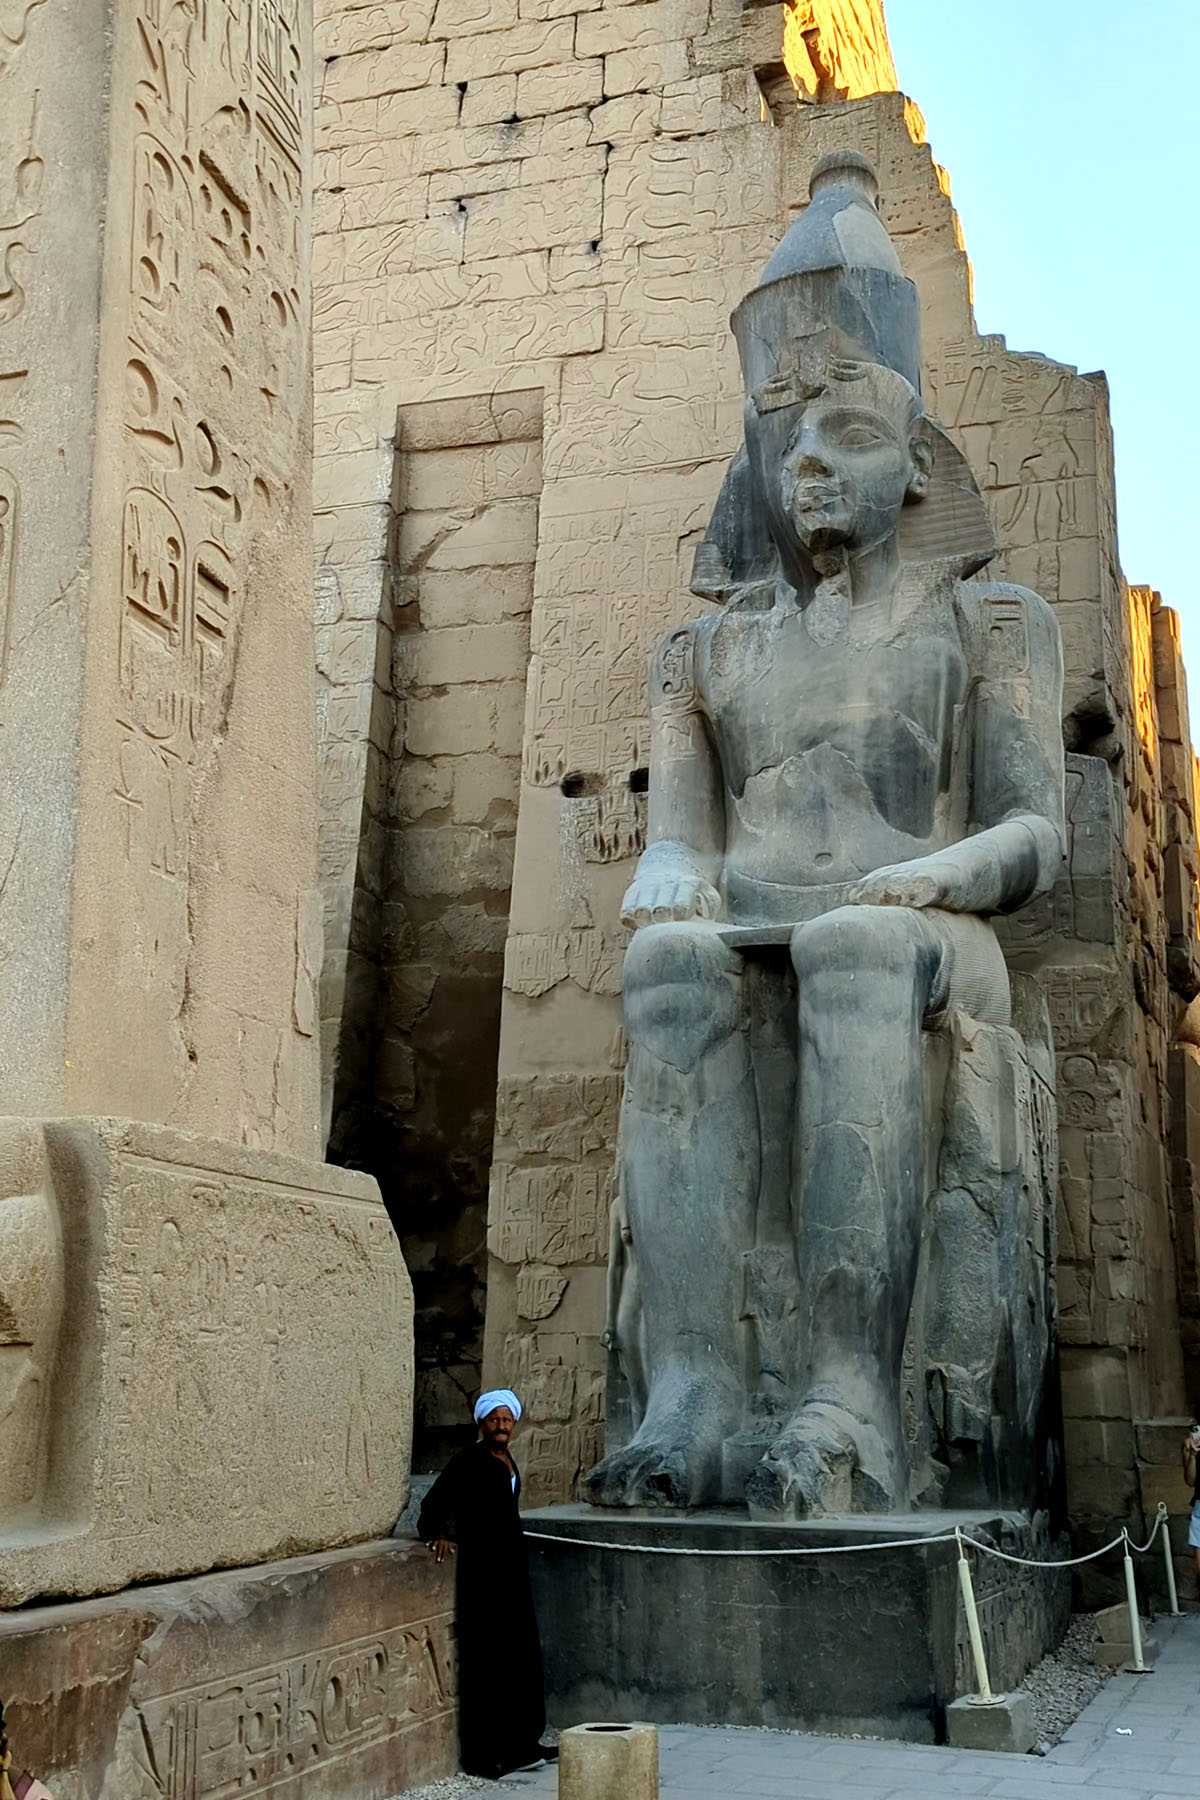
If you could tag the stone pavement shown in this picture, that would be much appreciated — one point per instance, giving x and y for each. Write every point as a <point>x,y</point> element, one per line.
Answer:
<point>1160,1760</point>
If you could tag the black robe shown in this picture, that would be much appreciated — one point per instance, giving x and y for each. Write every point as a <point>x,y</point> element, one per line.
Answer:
<point>502,1706</point>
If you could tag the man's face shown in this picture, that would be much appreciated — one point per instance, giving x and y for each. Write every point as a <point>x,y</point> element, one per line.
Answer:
<point>497,1428</point>
<point>836,471</point>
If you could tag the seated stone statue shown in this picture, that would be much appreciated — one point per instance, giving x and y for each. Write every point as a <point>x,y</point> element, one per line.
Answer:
<point>857,762</point>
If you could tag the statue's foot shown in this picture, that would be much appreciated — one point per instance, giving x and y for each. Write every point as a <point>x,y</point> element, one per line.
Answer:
<point>675,1457</point>
<point>828,1461</point>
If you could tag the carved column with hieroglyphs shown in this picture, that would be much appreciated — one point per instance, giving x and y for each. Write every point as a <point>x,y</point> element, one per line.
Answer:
<point>156,805</point>
<point>205,1333</point>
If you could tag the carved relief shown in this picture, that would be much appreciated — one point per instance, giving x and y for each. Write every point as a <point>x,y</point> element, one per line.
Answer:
<point>9,496</point>
<point>278,1725</point>
<point>549,1215</point>
<point>31,1304</point>
<point>15,17</point>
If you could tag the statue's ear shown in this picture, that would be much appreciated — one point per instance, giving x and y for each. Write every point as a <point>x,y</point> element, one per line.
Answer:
<point>920,446</point>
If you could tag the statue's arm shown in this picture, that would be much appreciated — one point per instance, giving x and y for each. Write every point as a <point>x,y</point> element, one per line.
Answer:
<point>1018,834</point>
<point>680,871</point>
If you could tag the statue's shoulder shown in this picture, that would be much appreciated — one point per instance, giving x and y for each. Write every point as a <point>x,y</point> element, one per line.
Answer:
<point>674,670</point>
<point>1014,628</point>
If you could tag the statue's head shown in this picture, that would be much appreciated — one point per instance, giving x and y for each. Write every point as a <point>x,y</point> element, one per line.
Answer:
<point>834,469</point>
<point>830,346</point>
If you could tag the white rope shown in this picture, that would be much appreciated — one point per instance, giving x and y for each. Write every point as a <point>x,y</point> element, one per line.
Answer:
<point>907,1543</point>
<point>1029,1562</point>
<point>1141,1549</point>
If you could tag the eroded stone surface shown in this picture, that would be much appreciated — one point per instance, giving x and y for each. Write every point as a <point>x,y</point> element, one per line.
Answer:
<point>319,1676</point>
<point>230,1375</point>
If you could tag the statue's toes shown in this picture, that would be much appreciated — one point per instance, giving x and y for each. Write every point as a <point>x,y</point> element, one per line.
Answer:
<point>802,1477</point>
<point>665,1481</point>
<point>609,1483</point>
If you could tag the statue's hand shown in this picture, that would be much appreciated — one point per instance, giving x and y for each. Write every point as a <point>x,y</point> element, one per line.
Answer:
<point>929,881</point>
<point>661,895</point>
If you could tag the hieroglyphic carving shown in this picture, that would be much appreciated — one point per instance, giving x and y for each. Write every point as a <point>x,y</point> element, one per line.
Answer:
<point>273,1728</point>
<point>211,382</point>
<point>549,1215</point>
<point>15,16</point>
<point>207,1287</point>
<point>536,962</point>
<point>613,583</point>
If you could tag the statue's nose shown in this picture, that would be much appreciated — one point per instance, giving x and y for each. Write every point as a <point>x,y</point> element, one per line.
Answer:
<point>809,464</point>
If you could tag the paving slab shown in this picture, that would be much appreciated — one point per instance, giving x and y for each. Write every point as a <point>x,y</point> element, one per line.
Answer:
<point>1158,1760</point>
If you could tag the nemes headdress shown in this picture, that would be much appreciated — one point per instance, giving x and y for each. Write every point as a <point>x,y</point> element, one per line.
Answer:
<point>832,298</point>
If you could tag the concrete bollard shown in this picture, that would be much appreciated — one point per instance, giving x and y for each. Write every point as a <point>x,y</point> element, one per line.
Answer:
<point>608,1762</point>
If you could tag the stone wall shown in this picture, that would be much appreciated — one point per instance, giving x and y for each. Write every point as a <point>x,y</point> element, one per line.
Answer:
<point>415,1094</point>
<point>573,203</point>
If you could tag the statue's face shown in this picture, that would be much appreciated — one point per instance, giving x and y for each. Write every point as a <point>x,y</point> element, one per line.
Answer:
<point>836,470</point>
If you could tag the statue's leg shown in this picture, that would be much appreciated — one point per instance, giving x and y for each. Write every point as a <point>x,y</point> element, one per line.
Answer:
<point>690,1176</point>
<point>867,979</point>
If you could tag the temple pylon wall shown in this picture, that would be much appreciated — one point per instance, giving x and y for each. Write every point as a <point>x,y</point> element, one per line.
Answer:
<point>567,201</point>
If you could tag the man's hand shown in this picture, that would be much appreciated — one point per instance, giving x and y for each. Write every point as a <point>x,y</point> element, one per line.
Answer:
<point>661,895</point>
<point>938,880</point>
<point>441,1549</point>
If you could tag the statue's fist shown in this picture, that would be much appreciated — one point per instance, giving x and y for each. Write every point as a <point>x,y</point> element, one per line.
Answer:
<point>660,896</point>
<point>925,882</point>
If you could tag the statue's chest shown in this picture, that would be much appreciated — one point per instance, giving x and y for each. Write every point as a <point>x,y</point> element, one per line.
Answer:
<point>891,707</point>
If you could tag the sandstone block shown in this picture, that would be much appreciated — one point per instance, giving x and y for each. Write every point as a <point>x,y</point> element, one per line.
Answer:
<point>373,73</point>
<point>557,88</point>
<point>228,1375</point>
<point>324,1675</point>
<point>343,32</point>
<point>618,28</point>
<point>458,18</point>
<point>528,218</point>
<point>535,44</point>
<point>489,99</point>
<point>634,71</point>
<point>633,117</point>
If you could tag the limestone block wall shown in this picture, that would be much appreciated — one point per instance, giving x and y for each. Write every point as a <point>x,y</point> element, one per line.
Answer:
<point>415,1094</point>
<point>488,227</point>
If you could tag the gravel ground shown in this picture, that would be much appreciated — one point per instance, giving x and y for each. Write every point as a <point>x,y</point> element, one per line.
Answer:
<point>1062,1684</point>
<point>1059,1687</point>
<point>451,1789</point>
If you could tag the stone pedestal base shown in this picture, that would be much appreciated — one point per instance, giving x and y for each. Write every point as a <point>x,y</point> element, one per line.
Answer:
<point>1005,1722</point>
<point>872,1643</point>
<point>312,1679</point>
<point>608,1762</point>
<point>206,1357</point>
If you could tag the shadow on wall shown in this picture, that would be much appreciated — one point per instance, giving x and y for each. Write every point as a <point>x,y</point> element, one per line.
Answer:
<point>415,1094</point>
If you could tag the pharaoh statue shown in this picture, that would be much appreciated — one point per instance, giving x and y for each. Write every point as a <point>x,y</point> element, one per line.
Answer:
<point>832,1279</point>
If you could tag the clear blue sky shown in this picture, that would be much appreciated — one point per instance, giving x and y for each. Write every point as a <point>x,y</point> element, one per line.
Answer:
<point>1071,131</point>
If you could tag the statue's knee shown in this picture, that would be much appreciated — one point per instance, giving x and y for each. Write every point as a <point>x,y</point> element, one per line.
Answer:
<point>879,939</point>
<point>683,991</point>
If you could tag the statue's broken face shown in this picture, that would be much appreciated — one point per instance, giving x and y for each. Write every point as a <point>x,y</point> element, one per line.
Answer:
<point>835,470</point>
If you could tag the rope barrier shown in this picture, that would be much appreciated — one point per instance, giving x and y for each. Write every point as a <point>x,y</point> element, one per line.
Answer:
<point>551,1537</point>
<point>905,1543</point>
<point>962,1538</point>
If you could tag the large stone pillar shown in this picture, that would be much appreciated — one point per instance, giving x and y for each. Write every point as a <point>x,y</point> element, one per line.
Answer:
<point>157,796</point>
<point>205,1333</point>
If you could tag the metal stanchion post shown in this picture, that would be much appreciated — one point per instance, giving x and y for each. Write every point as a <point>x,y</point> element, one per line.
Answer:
<point>973,1631</point>
<point>1165,1522</point>
<point>1135,1623</point>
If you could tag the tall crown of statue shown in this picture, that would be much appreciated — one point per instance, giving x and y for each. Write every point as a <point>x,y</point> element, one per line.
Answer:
<point>834,276</point>
<point>833,294</point>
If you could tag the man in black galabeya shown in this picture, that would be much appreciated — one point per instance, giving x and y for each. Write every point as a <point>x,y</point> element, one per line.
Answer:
<point>473,1509</point>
